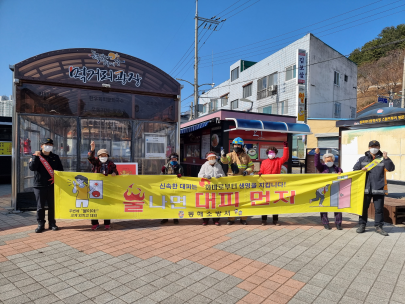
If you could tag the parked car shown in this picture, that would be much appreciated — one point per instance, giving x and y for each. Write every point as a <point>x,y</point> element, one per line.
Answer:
<point>335,152</point>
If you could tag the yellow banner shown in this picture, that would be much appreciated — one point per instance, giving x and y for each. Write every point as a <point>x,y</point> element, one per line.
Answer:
<point>95,196</point>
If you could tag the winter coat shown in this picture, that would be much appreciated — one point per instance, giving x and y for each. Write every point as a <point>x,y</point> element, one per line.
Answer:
<point>98,166</point>
<point>241,163</point>
<point>211,170</point>
<point>41,175</point>
<point>170,169</point>
<point>322,168</point>
<point>375,178</point>
<point>273,166</point>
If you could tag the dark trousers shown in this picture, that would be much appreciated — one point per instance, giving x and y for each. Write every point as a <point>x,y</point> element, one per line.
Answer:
<point>95,222</point>
<point>207,219</point>
<point>275,217</point>
<point>325,220</point>
<point>45,195</point>
<point>319,197</point>
<point>378,201</point>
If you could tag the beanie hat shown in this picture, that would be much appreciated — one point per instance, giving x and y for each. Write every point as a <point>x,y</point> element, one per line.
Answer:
<point>102,151</point>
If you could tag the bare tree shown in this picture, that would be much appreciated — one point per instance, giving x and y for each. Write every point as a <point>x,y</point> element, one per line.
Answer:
<point>390,69</point>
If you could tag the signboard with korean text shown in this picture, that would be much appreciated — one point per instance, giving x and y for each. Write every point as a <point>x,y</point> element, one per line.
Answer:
<point>167,196</point>
<point>127,168</point>
<point>5,148</point>
<point>301,102</point>
<point>301,66</point>
<point>155,145</point>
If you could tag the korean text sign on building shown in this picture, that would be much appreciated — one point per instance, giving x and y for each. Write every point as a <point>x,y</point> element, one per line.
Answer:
<point>301,66</point>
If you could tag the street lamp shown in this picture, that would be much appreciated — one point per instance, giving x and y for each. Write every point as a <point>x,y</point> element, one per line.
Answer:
<point>195,106</point>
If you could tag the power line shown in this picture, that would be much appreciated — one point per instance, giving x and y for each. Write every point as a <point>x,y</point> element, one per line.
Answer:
<point>379,13</point>
<point>266,52</point>
<point>242,10</point>
<point>227,8</point>
<point>236,8</point>
<point>301,27</point>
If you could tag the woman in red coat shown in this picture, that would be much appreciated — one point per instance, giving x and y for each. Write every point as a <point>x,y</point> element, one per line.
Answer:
<point>272,165</point>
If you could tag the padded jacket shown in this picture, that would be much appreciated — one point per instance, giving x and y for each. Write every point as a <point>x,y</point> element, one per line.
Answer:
<point>273,166</point>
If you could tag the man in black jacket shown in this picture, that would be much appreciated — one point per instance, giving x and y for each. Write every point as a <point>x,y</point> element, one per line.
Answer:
<point>375,182</point>
<point>43,163</point>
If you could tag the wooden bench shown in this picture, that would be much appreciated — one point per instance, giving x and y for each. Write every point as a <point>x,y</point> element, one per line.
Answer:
<point>394,210</point>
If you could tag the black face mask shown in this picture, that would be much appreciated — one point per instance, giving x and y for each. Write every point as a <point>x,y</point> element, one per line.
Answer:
<point>237,150</point>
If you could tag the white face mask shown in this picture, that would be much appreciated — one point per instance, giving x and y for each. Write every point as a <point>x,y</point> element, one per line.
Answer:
<point>103,159</point>
<point>212,161</point>
<point>374,150</point>
<point>329,164</point>
<point>48,148</point>
<point>271,156</point>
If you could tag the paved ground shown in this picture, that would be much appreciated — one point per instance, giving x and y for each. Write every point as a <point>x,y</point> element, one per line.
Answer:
<point>144,262</point>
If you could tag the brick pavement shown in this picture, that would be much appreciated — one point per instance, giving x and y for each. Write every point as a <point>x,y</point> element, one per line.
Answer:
<point>144,262</point>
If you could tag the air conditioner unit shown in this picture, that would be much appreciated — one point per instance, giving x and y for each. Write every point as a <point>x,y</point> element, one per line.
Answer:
<point>273,87</point>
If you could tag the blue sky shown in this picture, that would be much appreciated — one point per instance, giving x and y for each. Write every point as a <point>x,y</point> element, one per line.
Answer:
<point>161,31</point>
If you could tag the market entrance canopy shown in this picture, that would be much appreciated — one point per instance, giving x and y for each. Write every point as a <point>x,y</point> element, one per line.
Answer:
<point>269,126</point>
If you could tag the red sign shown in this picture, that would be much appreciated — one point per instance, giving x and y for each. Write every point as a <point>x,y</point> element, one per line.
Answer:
<point>127,168</point>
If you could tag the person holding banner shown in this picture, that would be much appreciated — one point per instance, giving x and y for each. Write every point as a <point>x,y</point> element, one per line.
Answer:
<point>272,165</point>
<point>376,163</point>
<point>171,168</point>
<point>328,166</point>
<point>239,163</point>
<point>43,163</point>
<point>211,168</point>
<point>100,164</point>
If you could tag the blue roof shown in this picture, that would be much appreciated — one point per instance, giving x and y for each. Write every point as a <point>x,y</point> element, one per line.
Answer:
<point>270,126</point>
<point>383,111</point>
<point>194,127</point>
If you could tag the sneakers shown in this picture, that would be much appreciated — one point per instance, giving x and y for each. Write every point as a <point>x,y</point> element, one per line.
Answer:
<point>276,223</point>
<point>264,223</point>
<point>217,224</point>
<point>176,221</point>
<point>381,231</point>
<point>361,229</point>
<point>243,222</point>
<point>40,228</point>
<point>164,221</point>
<point>107,227</point>
<point>339,227</point>
<point>205,223</point>
<point>327,227</point>
<point>95,227</point>
<point>53,227</point>
<point>230,223</point>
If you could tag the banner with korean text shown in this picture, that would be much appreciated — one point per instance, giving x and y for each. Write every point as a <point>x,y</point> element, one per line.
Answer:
<point>95,196</point>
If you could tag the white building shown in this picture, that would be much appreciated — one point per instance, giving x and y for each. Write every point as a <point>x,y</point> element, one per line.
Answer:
<point>6,106</point>
<point>272,83</point>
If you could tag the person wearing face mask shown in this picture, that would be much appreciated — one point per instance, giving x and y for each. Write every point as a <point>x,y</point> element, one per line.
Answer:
<point>210,169</point>
<point>328,167</point>
<point>43,163</point>
<point>101,164</point>
<point>272,165</point>
<point>172,168</point>
<point>375,185</point>
<point>239,163</point>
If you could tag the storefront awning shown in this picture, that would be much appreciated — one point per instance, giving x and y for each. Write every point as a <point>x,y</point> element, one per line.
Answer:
<point>194,127</point>
<point>269,126</point>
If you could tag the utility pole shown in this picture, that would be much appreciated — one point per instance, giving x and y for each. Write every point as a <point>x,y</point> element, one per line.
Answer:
<point>403,87</point>
<point>196,62</point>
<point>205,21</point>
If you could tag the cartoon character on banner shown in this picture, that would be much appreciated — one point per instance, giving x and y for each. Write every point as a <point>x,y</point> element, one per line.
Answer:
<point>85,190</point>
<point>181,214</point>
<point>320,195</point>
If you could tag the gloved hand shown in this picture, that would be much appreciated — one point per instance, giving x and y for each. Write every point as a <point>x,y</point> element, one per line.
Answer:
<point>222,153</point>
<point>207,176</point>
<point>218,176</point>
<point>245,173</point>
<point>178,175</point>
<point>260,174</point>
<point>285,144</point>
<point>163,169</point>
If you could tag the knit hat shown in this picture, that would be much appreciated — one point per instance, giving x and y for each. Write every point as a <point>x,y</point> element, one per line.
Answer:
<point>102,151</point>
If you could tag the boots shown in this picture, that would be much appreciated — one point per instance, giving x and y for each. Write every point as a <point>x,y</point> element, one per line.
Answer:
<point>53,227</point>
<point>40,228</point>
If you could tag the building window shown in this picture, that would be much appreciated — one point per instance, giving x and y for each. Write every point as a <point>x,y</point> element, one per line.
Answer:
<point>346,78</point>
<point>352,112</point>
<point>247,91</point>
<point>290,72</point>
<point>283,107</point>
<point>273,79</point>
<point>336,78</point>
<point>224,101</point>
<point>213,105</point>
<point>267,109</point>
<point>204,108</point>
<point>235,74</point>
<point>337,110</point>
<point>262,88</point>
<point>235,104</point>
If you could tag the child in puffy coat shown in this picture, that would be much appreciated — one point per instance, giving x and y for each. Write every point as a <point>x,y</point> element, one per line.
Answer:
<point>210,169</point>
<point>272,165</point>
